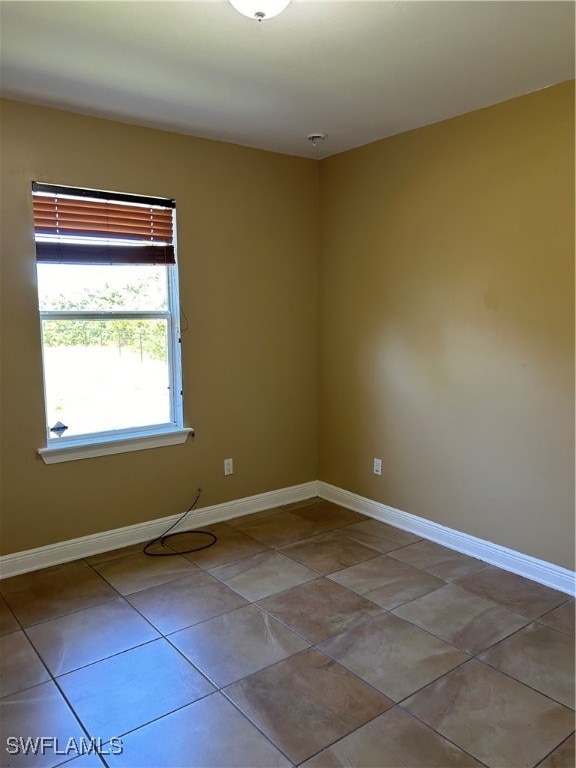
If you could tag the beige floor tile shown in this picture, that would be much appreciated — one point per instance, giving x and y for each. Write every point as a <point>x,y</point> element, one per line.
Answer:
<point>114,554</point>
<point>561,618</point>
<point>8,621</point>
<point>498,720</point>
<point>393,655</point>
<point>254,516</point>
<point>306,702</point>
<point>393,740</point>
<point>284,528</point>
<point>262,575</point>
<point>298,504</point>
<point>562,757</point>
<point>51,592</point>
<point>386,581</point>
<point>85,759</point>
<point>320,609</point>
<point>136,572</point>
<point>179,604</point>
<point>20,666</point>
<point>33,713</point>
<point>380,536</point>
<point>437,560</point>
<point>237,644</point>
<point>329,514</point>
<point>329,552</point>
<point>84,637</point>
<point>232,545</point>
<point>461,618</point>
<point>121,693</point>
<point>539,656</point>
<point>515,592</point>
<point>210,733</point>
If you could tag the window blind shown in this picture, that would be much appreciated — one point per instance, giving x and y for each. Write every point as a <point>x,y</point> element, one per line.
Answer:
<point>80,226</point>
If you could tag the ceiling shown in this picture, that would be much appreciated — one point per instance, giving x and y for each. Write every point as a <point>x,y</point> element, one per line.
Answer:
<point>358,71</point>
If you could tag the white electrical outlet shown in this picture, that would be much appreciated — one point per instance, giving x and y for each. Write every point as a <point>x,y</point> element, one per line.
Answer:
<point>228,466</point>
<point>377,466</point>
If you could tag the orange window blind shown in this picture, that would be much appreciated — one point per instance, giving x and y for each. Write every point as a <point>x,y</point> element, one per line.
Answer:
<point>71,226</point>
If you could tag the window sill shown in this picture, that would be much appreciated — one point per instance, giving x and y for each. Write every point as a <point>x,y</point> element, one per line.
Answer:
<point>81,449</point>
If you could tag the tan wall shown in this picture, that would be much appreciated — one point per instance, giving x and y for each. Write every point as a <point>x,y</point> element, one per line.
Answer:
<point>446,323</point>
<point>247,233</point>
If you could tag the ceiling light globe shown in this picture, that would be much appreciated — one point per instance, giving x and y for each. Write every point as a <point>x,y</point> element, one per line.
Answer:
<point>260,9</point>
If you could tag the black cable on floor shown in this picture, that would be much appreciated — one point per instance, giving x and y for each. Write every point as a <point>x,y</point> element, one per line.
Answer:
<point>168,535</point>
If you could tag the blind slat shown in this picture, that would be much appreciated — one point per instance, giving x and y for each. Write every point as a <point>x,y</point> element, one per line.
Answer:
<point>139,219</point>
<point>48,201</point>
<point>101,228</point>
<point>59,215</point>
<point>58,253</point>
<point>80,223</point>
<point>64,218</point>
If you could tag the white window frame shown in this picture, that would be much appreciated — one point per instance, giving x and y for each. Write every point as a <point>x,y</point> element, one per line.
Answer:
<point>104,443</point>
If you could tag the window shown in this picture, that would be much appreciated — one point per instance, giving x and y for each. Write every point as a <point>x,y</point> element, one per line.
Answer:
<point>108,300</point>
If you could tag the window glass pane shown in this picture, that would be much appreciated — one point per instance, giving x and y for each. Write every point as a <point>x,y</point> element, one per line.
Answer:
<point>104,375</point>
<point>93,288</point>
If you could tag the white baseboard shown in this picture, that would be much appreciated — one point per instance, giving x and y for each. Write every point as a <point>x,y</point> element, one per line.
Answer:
<point>524,565</point>
<point>62,552</point>
<point>74,549</point>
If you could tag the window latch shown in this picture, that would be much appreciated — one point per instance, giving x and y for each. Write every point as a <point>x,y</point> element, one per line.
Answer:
<point>59,428</point>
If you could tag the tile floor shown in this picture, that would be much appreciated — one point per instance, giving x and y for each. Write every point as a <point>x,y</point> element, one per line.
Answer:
<point>308,635</point>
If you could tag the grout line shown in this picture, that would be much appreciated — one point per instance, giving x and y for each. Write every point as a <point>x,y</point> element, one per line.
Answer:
<point>527,685</point>
<point>161,717</point>
<point>554,749</point>
<point>69,613</point>
<point>41,658</point>
<point>453,743</point>
<point>255,725</point>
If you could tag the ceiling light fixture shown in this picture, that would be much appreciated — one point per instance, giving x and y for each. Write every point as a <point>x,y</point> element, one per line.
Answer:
<point>260,9</point>
<point>316,137</point>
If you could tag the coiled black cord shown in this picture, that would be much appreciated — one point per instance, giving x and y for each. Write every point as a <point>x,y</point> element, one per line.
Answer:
<point>168,535</point>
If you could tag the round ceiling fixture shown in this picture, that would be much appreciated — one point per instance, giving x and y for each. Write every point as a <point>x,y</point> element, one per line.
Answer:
<point>260,9</point>
<point>316,137</point>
